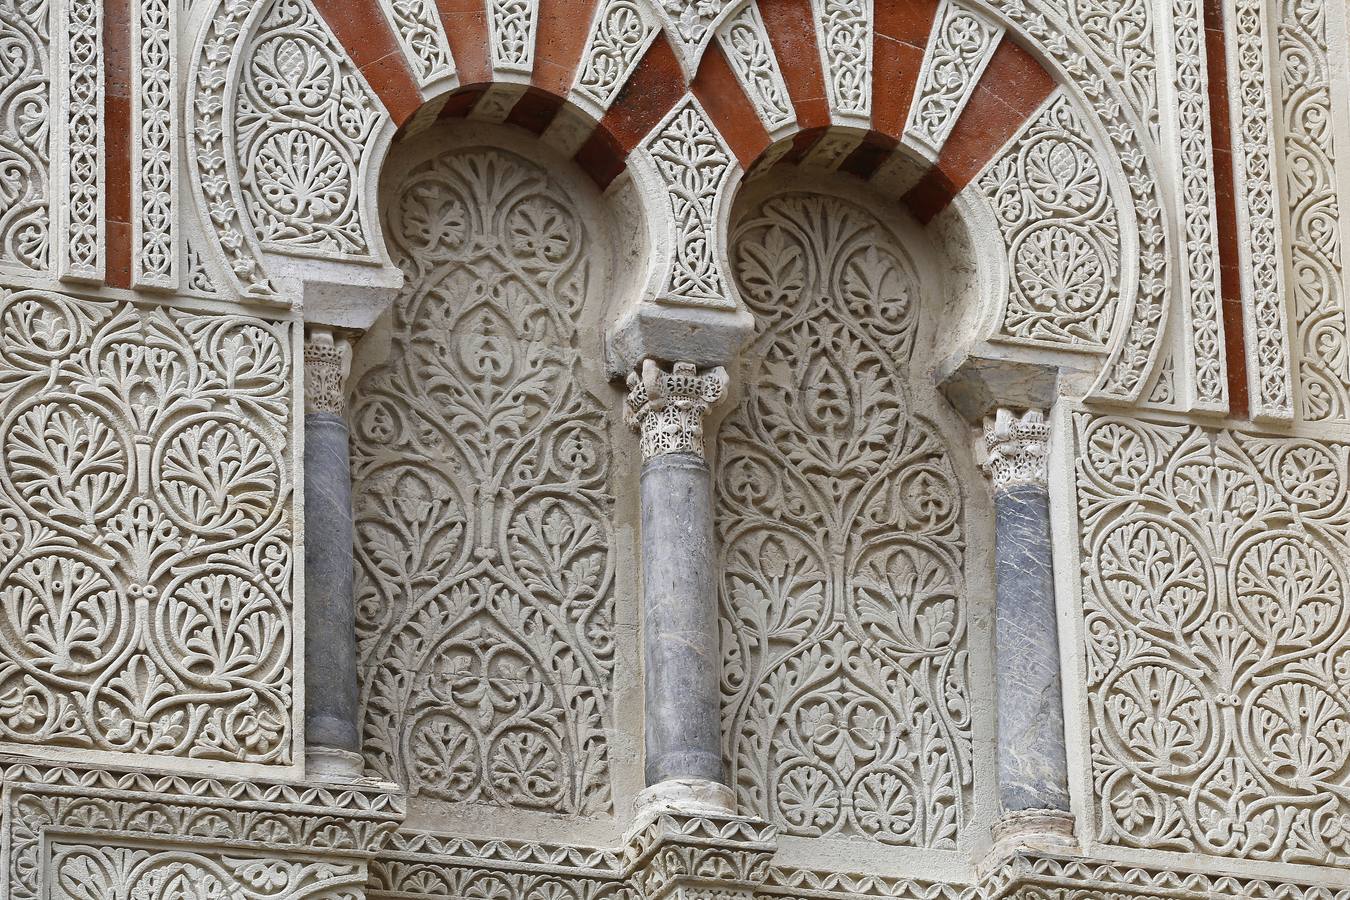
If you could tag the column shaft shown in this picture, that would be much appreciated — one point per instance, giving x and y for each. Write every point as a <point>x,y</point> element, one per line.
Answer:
<point>330,620</point>
<point>1032,766</point>
<point>680,643</point>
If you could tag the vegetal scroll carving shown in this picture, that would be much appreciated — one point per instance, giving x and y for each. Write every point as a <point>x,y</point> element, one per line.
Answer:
<point>145,531</point>
<point>1215,617</point>
<point>481,474</point>
<point>845,685</point>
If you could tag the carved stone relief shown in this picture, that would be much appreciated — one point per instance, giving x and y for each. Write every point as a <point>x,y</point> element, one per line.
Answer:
<point>146,536</point>
<point>1058,218</point>
<point>80,235</point>
<point>618,37</point>
<point>481,470</point>
<point>1215,618</point>
<point>1312,212</point>
<point>957,52</point>
<point>417,23</point>
<point>746,43</point>
<point>845,684</point>
<point>155,150</point>
<point>303,120</point>
<point>25,68</point>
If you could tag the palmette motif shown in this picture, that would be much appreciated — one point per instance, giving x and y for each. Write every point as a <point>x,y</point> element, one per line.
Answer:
<point>481,469</point>
<point>1217,657</point>
<point>845,682</point>
<point>303,121</point>
<point>1060,227</point>
<point>145,531</point>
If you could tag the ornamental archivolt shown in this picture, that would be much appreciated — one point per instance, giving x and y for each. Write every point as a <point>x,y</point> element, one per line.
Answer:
<point>845,684</point>
<point>481,460</point>
<point>1215,618</point>
<point>145,531</point>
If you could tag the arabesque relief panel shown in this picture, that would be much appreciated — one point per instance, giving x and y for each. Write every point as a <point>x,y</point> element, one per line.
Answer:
<point>847,708</point>
<point>147,534</point>
<point>1217,639</point>
<point>482,466</point>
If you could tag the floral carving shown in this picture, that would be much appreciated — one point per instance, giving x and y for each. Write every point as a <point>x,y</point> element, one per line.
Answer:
<point>958,50</point>
<point>1059,223</point>
<point>845,28</point>
<point>145,532</point>
<point>1121,32</point>
<point>97,872</point>
<point>303,118</point>
<point>25,67</point>
<point>693,163</point>
<point>481,470</point>
<point>418,26</point>
<point>511,31</point>
<point>746,42</point>
<point>1312,211</point>
<point>845,683</point>
<point>618,36</point>
<point>1215,617</point>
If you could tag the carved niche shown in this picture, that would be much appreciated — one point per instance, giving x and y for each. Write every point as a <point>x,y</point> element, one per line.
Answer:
<point>845,686</point>
<point>1215,623</point>
<point>146,538</point>
<point>481,469</point>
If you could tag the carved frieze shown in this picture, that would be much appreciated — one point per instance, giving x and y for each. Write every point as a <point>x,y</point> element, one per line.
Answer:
<point>146,532</point>
<point>846,708</point>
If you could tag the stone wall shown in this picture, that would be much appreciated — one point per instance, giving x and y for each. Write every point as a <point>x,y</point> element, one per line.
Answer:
<point>616,449</point>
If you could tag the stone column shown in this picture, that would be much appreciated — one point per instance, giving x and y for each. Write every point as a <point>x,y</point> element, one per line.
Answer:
<point>681,650</point>
<point>332,735</point>
<point>1033,781</point>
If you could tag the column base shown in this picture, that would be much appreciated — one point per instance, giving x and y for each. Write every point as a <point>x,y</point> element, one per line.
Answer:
<point>332,764</point>
<point>1037,830</point>
<point>682,797</point>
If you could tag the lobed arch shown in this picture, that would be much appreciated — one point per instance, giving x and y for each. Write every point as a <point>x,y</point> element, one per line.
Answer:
<point>677,111</point>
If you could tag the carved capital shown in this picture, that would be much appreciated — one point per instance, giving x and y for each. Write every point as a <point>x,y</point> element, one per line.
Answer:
<point>688,857</point>
<point>328,362</point>
<point>667,407</point>
<point>1017,444</point>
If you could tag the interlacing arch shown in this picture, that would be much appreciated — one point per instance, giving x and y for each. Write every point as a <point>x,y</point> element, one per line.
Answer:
<point>989,109</point>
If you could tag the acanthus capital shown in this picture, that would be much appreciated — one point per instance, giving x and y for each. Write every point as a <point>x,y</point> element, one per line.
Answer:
<point>1016,446</point>
<point>667,407</point>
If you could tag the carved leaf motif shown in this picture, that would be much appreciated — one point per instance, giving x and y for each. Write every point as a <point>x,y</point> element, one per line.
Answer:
<point>481,466</point>
<point>843,614</point>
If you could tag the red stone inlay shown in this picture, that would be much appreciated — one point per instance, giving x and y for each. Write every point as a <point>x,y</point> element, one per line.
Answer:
<point>361,28</point>
<point>902,31</point>
<point>1225,207</point>
<point>465,24</point>
<point>535,110</point>
<point>117,136</point>
<point>461,103</point>
<point>653,89</point>
<point>720,92</point>
<point>868,156</point>
<point>792,32</point>
<point>1013,86</point>
<point>560,38</point>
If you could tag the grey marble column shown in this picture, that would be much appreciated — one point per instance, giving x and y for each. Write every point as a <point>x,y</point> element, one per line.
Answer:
<point>1032,764</point>
<point>681,655</point>
<point>332,735</point>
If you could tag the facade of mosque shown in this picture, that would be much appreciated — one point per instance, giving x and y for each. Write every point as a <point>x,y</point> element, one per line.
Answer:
<point>674,449</point>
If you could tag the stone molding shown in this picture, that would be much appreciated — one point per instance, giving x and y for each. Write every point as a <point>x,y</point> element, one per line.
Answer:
<point>1017,446</point>
<point>667,406</point>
